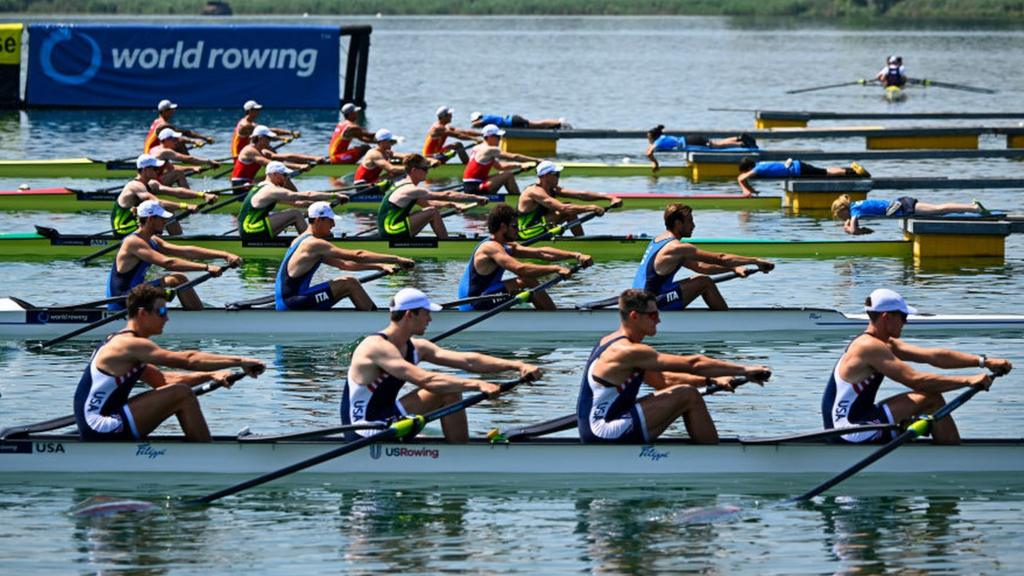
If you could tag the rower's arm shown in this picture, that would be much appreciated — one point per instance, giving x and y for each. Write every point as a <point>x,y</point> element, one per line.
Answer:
<point>881,359</point>
<point>436,382</point>
<point>332,252</point>
<point>147,351</point>
<point>552,204</point>
<point>647,358</point>
<point>547,253</point>
<point>175,262</point>
<point>462,134</point>
<point>944,357</point>
<point>520,268</point>
<point>522,158</point>
<point>744,182</point>
<point>585,195</point>
<point>472,361</point>
<point>296,161</point>
<point>195,253</point>
<point>194,134</point>
<point>177,192</point>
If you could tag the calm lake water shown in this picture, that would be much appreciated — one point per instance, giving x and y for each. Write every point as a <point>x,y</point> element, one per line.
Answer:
<point>600,73</point>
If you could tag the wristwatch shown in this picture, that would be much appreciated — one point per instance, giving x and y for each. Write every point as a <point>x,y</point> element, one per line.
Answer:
<point>981,360</point>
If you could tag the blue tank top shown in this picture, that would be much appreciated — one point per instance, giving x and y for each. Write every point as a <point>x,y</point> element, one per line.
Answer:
<point>869,207</point>
<point>120,283</point>
<point>776,169</point>
<point>620,397</point>
<point>666,143</point>
<point>474,283</point>
<point>646,276</point>
<point>285,286</point>
<point>100,394</point>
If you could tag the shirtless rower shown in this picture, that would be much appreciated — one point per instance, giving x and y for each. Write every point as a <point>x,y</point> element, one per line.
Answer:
<point>103,411</point>
<point>384,362</point>
<point>849,398</point>
<point>258,154</point>
<point>608,410</point>
<point>395,216</point>
<point>341,150</point>
<point>749,169</point>
<point>434,145</point>
<point>166,110</point>
<point>477,179</point>
<point>381,160</point>
<point>257,219</point>
<point>307,252</point>
<point>479,120</point>
<point>145,186</point>
<point>493,256</point>
<point>539,208</point>
<point>144,248</point>
<point>668,253</point>
<point>242,135</point>
<point>168,152</point>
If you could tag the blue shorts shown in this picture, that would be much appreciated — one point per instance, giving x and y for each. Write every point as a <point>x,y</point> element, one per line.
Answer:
<point>120,305</point>
<point>907,206</point>
<point>498,288</point>
<point>672,300</point>
<point>316,297</point>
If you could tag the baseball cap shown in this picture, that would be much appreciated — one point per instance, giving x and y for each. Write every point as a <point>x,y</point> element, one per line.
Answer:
<point>350,108</point>
<point>152,208</point>
<point>492,130</point>
<point>445,111</point>
<point>475,116</point>
<point>251,105</point>
<point>278,168</point>
<point>384,135</point>
<point>320,209</point>
<point>885,300</point>
<point>166,105</point>
<point>262,131</point>
<point>168,133</point>
<point>148,161</point>
<point>547,167</point>
<point>411,299</point>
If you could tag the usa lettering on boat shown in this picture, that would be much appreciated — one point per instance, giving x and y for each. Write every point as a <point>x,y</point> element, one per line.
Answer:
<point>49,448</point>
<point>403,452</point>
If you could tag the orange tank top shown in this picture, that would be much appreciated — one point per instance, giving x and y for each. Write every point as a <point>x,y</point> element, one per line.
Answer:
<point>151,136</point>
<point>339,144</point>
<point>238,141</point>
<point>433,146</point>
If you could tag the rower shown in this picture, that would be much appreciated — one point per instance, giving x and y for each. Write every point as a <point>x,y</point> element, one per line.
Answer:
<point>241,137</point>
<point>667,254</point>
<point>166,110</point>
<point>894,73</point>
<point>258,154</point>
<point>539,209</point>
<point>903,207</point>
<point>340,150</point>
<point>749,169</point>
<point>849,398</point>
<point>493,256</point>
<point>103,411</point>
<point>145,186</point>
<point>384,362</point>
<point>257,219</point>
<point>145,248</point>
<point>480,120</point>
<point>434,145</point>
<point>168,152</point>
<point>395,216</point>
<point>658,141</point>
<point>477,179</point>
<point>608,410</point>
<point>380,159</point>
<point>307,252</point>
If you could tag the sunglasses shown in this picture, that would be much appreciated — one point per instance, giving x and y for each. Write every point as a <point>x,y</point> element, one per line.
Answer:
<point>161,311</point>
<point>656,315</point>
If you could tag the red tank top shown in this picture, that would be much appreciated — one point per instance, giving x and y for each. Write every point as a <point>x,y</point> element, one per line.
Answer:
<point>151,136</point>
<point>339,144</point>
<point>238,141</point>
<point>367,175</point>
<point>477,171</point>
<point>243,171</point>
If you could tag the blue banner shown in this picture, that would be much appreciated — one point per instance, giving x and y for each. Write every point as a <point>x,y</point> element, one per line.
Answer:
<point>195,66</point>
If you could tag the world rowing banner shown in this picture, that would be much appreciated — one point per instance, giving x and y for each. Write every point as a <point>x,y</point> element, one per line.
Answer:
<point>197,66</point>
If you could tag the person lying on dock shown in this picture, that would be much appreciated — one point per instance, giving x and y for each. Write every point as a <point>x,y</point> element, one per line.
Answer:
<point>484,158</point>
<point>878,353</point>
<point>340,150</point>
<point>658,141</point>
<point>103,411</point>
<point>904,206</point>
<point>165,117</point>
<point>434,145</point>
<point>258,154</point>
<point>894,73</point>
<point>395,217</point>
<point>749,169</point>
<point>144,248</point>
<point>668,253</point>
<point>292,290</point>
<point>493,256</point>
<point>244,128</point>
<point>608,410</point>
<point>384,362</point>
<point>539,208</point>
<point>479,120</point>
<point>257,219</point>
<point>167,151</point>
<point>145,186</point>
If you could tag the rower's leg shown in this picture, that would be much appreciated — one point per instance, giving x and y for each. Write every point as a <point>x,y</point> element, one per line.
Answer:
<point>430,216</point>
<point>506,179</point>
<point>175,177</point>
<point>704,287</point>
<point>665,406</point>
<point>911,404</point>
<point>149,410</point>
<point>281,221</point>
<point>455,426</point>
<point>188,298</point>
<point>460,150</point>
<point>173,228</point>
<point>349,287</point>
<point>562,218</point>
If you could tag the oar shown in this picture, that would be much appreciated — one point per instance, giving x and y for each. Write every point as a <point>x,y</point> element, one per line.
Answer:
<point>860,81</point>
<point>15,432</point>
<point>921,427</point>
<point>177,217</point>
<point>821,434</point>
<point>308,434</point>
<point>490,298</point>
<point>400,429</point>
<point>121,314</point>
<point>613,300</point>
<point>263,300</point>
<point>950,85</point>
<point>561,228</point>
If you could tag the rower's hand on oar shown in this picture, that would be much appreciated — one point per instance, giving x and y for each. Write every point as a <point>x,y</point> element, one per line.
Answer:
<point>983,381</point>
<point>233,259</point>
<point>765,266</point>
<point>252,367</point>
<point>757,374</point>
<point>223,378</point>
<point>492,390</point>
<point>584,260</point>
<point>616,202</point>
<point>462,207</point>
<point>530,373</point>
<point>406,263</point>
<point>215,270</point>
<point>340,199</point>
<point>209,198</point>
<point>998,366</point>
<point>482,201</point>
<point>724,383</point>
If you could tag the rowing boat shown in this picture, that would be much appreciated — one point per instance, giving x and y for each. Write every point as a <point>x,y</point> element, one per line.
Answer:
<point>33,246</point>
<point>21,320</point>
<point>89,168</point>
<point>668,459</point>
<point>67,200</point>
<point>894,94</point>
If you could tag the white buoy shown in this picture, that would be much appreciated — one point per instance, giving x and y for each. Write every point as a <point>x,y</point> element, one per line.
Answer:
<point>625,160</point>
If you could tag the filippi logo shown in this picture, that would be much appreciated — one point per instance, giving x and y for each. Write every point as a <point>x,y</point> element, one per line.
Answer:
<point>652,453</point>
<point>65,35</point>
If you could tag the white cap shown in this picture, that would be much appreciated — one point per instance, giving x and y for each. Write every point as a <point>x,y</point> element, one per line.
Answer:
<point>166,105</point>
<point>547,167</point>
<point>445,111</point>
<point>885,300</point>
<point>278,168</point>
<point>411,299</point>
<point>251,105</point>
<point>168,133</point>
<point>148,161</point>
<point>152,208</point>
<point>349,108</point>
<point>492,130</point>
<point>262,131</point>
<point>320,209</point>
<point>384,135</point>
<point>475,116</point>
